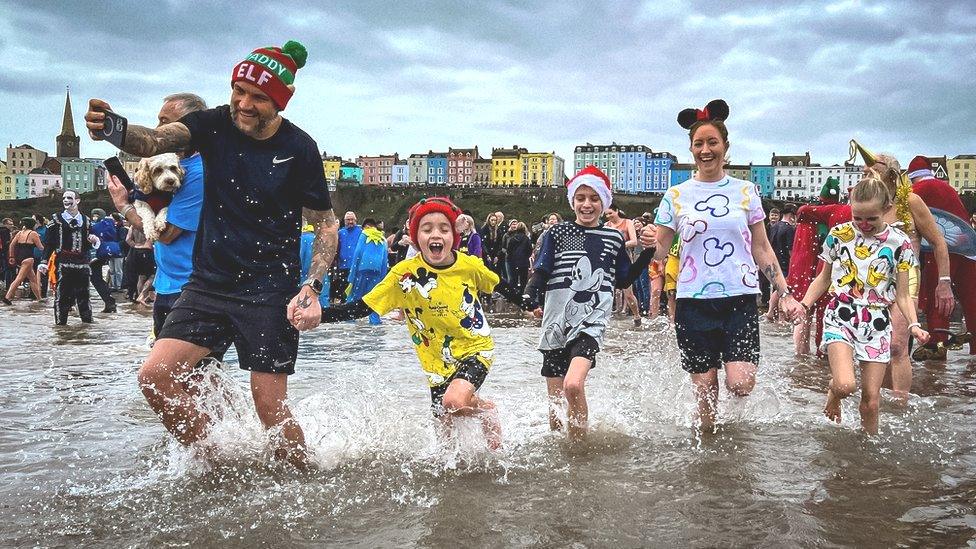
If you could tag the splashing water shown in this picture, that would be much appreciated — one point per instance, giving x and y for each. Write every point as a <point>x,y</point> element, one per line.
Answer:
<point>84,460</point>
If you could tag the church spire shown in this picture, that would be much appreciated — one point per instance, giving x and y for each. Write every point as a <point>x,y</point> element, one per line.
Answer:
<point>68,124</point>
<point>68,142</point>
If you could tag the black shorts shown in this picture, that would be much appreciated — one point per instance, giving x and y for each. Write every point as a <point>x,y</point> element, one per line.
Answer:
<point>472,369</point>
<point>265,340</point>
<point>714,331</point>
<point>143,262</point>
<point>555,362</point>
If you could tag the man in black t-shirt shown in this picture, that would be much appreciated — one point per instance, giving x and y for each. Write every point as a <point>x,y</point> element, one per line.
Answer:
<point>261,171</point>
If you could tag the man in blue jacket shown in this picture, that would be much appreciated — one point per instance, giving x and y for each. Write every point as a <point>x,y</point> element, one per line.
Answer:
<point>348,240</point>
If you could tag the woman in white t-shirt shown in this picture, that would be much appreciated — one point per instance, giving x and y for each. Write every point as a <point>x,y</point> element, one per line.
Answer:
<point>723,249</point>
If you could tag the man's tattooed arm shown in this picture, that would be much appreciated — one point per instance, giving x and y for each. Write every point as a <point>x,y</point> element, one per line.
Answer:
<point>144,142</point>
<point>326,241</point>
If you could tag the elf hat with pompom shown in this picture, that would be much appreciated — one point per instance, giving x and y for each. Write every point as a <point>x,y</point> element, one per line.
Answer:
<point>272,69</point>
<point>920,167</point>
<point>434,204</point>
<point>830,192</point>
<point>594,178</point>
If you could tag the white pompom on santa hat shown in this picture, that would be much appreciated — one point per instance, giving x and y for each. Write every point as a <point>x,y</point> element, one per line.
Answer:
<point>594,178</point>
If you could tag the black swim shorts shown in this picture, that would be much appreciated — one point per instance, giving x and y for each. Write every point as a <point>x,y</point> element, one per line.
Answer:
<point>265,340</point>
<point>555,362</point>
<point>714,331</point>
<point>473,369</point>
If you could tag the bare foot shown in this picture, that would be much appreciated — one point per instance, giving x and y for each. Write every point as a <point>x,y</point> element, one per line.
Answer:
<point>832,408</point>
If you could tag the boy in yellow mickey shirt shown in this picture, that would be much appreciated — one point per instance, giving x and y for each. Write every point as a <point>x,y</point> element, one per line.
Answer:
<point>438,292</point>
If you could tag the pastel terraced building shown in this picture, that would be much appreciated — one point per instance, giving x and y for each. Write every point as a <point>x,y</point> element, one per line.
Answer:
<point>378,170</point>
<point>7,189</point>
<point>762,176</point>
<point>460,166</point>
<point>400,174</point>
<point>482,172</point>
<point>505,168</point>
<point>39,182</point>
<point>332,165</point>
<point>350,173</point>
<point>681,173</point>
<point>632,168</point>
<point>962,173</point>
<point>790,176</point>
<point>78,174</point>
<point>417,169</point>
<point>436,168</point>
<point>24,158</point>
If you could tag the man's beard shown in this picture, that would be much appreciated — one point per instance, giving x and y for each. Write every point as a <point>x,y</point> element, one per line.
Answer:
<point>262,123</point>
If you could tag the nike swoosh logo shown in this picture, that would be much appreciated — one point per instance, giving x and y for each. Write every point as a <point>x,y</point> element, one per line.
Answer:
<point>277,160</point>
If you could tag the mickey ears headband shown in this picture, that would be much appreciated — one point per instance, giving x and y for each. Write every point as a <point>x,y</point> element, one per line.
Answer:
<point>717,109</point>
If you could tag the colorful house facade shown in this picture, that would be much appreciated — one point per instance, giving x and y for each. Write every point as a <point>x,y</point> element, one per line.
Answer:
<point>417,169</point>
<point>505,168</point>
<point>762,176</point>
<point>400,174</point>
<point>351,173</point>
<point>436,168</point>
<point>460,166</point>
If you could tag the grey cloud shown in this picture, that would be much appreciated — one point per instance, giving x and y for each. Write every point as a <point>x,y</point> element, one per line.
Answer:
<point>412,76</point>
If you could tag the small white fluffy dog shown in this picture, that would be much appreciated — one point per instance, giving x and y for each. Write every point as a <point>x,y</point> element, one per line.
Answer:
<point>157,178</point>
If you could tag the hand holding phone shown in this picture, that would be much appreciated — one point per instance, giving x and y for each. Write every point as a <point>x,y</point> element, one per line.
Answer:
<point>114,167</point>
<point>114,128</point>
<point>103,124</point>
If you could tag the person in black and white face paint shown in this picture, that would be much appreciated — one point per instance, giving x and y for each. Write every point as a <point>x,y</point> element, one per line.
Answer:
<point>68,237</point>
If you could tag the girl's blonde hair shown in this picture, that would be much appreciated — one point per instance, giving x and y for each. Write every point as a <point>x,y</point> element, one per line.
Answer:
<point>872,188</point>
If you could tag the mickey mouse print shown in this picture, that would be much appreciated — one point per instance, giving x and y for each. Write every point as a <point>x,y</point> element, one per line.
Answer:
<point>713,219</point>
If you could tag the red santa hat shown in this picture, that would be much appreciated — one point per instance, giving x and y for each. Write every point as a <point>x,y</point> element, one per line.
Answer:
<point>920,167</point>
<point>594,178</point>
<point>434,204</point>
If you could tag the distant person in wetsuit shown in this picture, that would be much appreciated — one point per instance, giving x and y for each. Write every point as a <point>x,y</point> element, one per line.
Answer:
<point>21,252</point>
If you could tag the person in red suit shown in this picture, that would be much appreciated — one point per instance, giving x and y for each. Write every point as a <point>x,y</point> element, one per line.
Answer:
<point>811,221</point>
<point>937,193</point>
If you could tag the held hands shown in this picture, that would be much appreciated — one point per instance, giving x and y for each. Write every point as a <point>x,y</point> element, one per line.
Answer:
<point>95,117</point>
<point>304,310</point>
<point>792,309</point>
<point>920,335</point>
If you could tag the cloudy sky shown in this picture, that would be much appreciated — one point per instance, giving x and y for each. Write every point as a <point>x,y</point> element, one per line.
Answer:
<point>412,76</point>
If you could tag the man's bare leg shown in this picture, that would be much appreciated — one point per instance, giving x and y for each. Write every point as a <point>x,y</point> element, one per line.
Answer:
<point>160,379</point>
<point>269,392</point>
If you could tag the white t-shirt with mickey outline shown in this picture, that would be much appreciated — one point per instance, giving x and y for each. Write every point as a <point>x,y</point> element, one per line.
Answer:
<point>713,219</point>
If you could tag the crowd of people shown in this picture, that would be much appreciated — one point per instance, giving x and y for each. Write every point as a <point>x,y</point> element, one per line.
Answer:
<point>252,253</point>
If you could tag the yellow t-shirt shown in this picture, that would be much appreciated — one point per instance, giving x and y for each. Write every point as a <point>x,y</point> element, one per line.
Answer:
<point>443,313</point>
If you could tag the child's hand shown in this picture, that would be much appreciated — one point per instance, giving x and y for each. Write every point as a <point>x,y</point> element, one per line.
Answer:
<point>920,335</point>
<point>537,312</point>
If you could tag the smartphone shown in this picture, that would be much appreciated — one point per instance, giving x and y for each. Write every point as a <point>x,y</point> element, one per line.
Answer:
<point>114,129</point>
<point>114,167</point>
